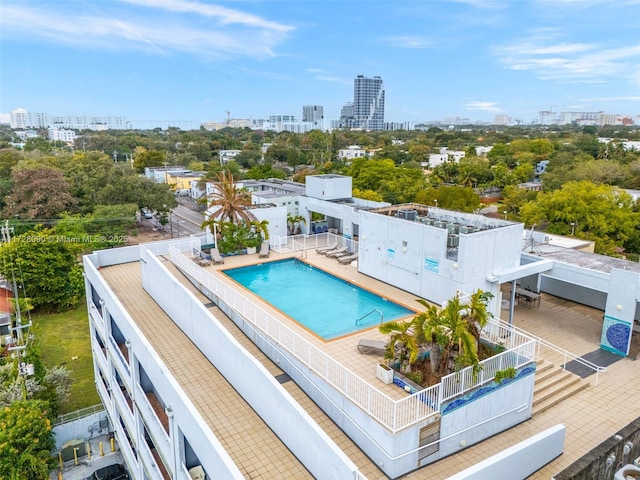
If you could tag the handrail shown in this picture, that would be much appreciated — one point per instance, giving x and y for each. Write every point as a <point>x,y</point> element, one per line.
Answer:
<point>372,311</point>
<point>540,342</point>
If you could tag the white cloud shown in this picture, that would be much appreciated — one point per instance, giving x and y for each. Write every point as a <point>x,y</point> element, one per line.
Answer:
<point>205,30</point>
<point>5,118</point>
<point>572,62</point>
<point>630,98</point>
<point>407,42</point>
<point>224,15</point>
<point>324,76</point>
<point>484,106</point>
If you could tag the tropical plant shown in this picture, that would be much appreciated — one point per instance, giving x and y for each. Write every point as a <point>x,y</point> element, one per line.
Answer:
<point>476,313</point>
<point>292,220</point>
<point>230,201</point>
<point>447,331</point>
<point>402,345</point>
<point>237,236</point>
<point>509,372</point>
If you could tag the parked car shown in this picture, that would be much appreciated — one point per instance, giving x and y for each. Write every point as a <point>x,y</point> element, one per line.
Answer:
<point>111,472</point>
<point>146,213</point>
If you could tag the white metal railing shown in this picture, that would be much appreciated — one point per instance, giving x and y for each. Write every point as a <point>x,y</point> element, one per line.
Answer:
<point>83,412</point>
<point>458,383</point>
<point>161,247</point>
<point>295,243</point>
<point>393,414</point>
<point>559,352</point>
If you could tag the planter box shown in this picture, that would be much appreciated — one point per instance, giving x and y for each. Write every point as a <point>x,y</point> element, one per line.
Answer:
<point>384,373</point>
<point>251,250</point>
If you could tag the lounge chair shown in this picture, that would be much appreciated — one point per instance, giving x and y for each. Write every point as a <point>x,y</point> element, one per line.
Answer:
<point>348,258</point>
<point>327,248</point>
<point>215,256</point>
<point>372,347</point>
<point>337,253</point>
<point>264,250</point>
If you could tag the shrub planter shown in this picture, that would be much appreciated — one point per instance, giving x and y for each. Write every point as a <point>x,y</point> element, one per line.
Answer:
<point>384,373</point>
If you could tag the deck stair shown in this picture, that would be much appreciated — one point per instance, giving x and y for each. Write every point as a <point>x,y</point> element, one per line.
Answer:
<point>553,385</point>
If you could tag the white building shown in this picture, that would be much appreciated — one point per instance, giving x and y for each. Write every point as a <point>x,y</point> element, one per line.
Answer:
<point>283,193</point>
<point>56,134</point>
<point>21,118</point>
<point>351,152</point>
<point>226,156</point>
<point>161,174</point>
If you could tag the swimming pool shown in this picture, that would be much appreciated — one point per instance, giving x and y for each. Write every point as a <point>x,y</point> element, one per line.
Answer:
<point>327,305</point>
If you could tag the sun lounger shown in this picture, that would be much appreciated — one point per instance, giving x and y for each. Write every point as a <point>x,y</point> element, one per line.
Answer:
<point>264,250</point>
<point>348,258</point>
<point>337,253</point>
<point>371,347</point>
<point>215,256</point>
<point>327,248</point>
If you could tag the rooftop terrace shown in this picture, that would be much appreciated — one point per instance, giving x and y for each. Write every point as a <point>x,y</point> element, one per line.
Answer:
<point>609,406</point>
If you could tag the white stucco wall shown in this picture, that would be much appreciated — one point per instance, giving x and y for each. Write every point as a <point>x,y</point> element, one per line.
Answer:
<point>413,256</point>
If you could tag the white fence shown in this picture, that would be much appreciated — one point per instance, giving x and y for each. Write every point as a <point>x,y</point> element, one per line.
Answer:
<point>519,350</point>
<point>558,355</point>
<point>296,243</point>
<point>393,414</point>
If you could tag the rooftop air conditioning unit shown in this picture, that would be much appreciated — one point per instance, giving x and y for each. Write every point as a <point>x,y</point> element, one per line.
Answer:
<point>453,227</point>
<point>453,241</point>
<point>408,214</point>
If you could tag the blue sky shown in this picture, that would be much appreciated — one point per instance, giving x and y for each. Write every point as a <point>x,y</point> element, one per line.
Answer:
<point>190,61</point>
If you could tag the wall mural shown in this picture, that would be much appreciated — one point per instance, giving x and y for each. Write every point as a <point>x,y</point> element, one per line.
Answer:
<point>616,335</point>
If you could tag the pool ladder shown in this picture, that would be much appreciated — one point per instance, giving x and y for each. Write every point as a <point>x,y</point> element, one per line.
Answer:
<point>358,320</point>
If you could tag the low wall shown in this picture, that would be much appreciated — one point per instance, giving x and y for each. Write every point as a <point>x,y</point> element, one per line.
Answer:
<point>520,460</point>
<point>611,455</point>
<point>83,428</point>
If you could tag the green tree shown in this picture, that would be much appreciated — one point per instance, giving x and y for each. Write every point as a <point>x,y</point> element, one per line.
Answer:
<point>599,213</point>
<point>26,441</point>
<point>47,266</point>
<point>402,345</point>
<point>149,158</point>
<point>265,171</point>
<point>463,199</point>
<point>231,203</point>
<point>9,158</point>
<point>38,194</point>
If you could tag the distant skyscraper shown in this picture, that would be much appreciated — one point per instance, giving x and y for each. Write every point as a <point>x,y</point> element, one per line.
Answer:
<point>312,113</point>
<point>368,103</point>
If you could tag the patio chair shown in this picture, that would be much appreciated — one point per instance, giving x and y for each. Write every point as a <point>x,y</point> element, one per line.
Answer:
<point>345,259</point>
<point>327,248</point>
<point>264,250</point>
<point>337,253</point>
<point>372,347</point>
<point>215,256</point>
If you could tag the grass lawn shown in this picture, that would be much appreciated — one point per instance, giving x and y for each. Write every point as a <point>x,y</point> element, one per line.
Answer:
<point>64,340</point>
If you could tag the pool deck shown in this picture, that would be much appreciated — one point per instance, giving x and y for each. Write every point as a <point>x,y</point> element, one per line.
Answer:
<point>591,415</point>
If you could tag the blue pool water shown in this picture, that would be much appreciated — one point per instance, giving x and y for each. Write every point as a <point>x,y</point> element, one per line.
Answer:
<point>323,303</point>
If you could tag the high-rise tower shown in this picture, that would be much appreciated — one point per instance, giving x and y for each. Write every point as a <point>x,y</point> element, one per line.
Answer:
<point>368,103</point>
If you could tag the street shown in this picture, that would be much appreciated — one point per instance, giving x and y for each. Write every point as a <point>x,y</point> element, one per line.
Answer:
<point>184,220</point>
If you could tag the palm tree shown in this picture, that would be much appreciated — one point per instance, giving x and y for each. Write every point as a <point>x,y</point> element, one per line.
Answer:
<point>261,227</point>
<point>447,330</point>
<point>292,220</point>
<point>428,330</point>
<point>476,312</point>
<point>402,342</point>
<point>231,202</point>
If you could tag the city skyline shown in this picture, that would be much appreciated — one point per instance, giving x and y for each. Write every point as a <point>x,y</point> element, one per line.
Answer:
<point>194,61</point>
